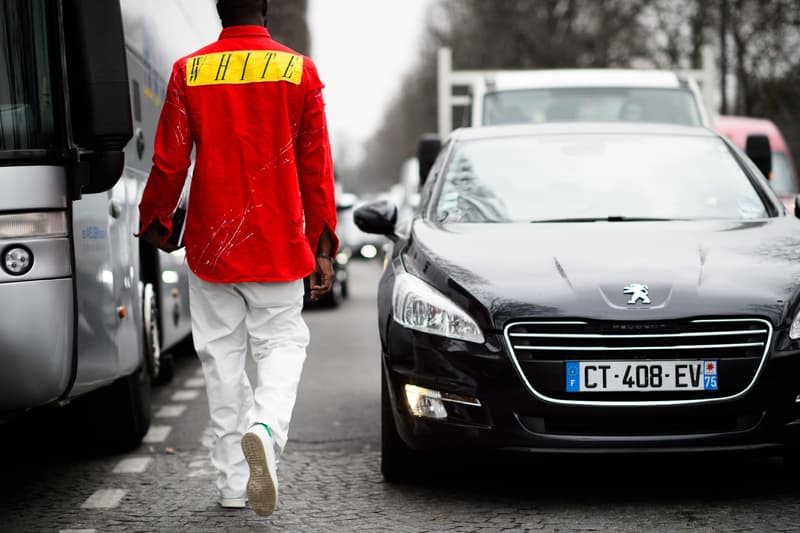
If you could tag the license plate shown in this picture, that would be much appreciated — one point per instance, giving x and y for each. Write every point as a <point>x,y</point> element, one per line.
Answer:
<point>641,376</point>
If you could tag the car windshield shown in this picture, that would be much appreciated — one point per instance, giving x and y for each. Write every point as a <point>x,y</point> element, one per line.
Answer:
<point>26,112</point>
<point>590,177</point>
<point>783,180</point>
<point>673,106</point>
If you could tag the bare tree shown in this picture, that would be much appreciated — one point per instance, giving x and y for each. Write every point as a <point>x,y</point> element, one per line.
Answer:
<point>288,24</point>
<point>764,54</point>
<point>501,34</point>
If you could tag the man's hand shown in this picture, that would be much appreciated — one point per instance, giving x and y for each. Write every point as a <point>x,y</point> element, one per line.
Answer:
<point>322,279</point>
<point>156,236</point>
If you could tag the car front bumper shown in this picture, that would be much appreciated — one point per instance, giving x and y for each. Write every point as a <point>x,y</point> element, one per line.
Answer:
<point>510,417</point>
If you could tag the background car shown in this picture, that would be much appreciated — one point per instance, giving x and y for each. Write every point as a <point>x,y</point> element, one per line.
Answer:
<point>363,245</point>
<point>587,287</point>
<point>783,178</point>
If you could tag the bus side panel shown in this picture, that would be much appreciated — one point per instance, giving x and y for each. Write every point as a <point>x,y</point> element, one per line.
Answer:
<point>172,281</point>
<point>104,281</point>
<point>126,262</point>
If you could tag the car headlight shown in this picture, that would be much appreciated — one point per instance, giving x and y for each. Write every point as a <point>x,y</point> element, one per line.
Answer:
<point>794,330</point>
<point>419,306</point>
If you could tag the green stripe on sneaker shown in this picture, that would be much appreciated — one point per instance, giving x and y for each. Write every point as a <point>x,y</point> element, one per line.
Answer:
<point>269,431</point>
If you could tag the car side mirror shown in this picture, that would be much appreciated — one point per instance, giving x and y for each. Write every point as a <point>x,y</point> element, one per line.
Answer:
<point>759,151</point>
<point>99,98</point>
<point>377,217</point>
<point>427,151</point>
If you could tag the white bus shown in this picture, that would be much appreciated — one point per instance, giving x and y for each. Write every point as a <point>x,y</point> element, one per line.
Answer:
<point>87,310</point>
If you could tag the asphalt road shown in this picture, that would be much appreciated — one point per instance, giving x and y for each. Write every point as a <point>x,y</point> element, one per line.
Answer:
<point>53,480</point>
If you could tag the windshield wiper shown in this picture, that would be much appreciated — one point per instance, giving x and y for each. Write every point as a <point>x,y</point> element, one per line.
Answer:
<point>602,219</point>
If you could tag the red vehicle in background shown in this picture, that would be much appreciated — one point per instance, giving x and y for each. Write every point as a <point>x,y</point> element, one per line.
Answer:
<point>784,178</point>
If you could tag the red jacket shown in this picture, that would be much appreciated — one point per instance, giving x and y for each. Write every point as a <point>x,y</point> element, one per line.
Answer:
<point>262,189</point>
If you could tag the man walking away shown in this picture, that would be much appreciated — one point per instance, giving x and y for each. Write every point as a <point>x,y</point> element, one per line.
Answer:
<point>261,218</point>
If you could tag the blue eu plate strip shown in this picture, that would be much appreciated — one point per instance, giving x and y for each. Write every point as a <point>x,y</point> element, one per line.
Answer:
<point>573,376</point>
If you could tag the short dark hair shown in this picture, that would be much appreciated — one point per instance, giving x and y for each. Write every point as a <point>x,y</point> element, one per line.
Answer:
<point>241,9</point>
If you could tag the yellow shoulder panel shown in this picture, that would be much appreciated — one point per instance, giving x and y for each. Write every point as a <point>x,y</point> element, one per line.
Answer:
<point>244,67</point>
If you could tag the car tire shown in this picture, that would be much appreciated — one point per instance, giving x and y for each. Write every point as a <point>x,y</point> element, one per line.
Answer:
<point>345,291</point>
<point>398,461</point>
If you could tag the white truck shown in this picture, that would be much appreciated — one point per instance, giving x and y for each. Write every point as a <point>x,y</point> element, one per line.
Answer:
<point>496,97</point>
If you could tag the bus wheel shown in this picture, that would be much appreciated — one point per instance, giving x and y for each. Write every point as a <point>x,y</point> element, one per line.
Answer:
<point>116,417</point>
<point>132,409</point>
<point>160,365</point>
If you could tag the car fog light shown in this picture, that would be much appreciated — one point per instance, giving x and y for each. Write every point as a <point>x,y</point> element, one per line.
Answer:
<point>17,260</point>
<point>369,251</point>
<point>342,258</point>
<point>424,402</point>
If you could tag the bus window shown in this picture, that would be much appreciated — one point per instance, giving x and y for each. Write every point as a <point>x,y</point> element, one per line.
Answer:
<point>26,111</point>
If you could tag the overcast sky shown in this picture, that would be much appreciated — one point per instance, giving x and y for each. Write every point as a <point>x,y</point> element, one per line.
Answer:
<point>363,48</point>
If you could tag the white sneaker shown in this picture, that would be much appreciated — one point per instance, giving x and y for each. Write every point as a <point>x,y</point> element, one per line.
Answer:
<point>262,487</point>
<point>233,503</point>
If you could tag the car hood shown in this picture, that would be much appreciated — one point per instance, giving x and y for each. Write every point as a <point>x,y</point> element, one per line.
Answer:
<point>692,268</point>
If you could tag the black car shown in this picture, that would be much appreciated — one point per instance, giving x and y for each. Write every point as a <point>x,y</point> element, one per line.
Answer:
<point>580,288</point>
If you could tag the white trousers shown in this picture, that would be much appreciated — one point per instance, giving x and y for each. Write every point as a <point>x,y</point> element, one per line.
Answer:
<point>224,317</point>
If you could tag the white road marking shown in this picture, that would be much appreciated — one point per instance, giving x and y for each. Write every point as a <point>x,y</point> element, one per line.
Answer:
<point>201,467</point>
<point>195,383</point>
<point>170,411</point>
<point>183,395</point>
<point>157,434</point>
<point>133,465</point>
<point>104,499</point>
<point>203,472</point>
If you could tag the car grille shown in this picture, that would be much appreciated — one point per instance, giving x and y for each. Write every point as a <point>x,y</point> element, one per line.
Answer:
<point>539,350</point>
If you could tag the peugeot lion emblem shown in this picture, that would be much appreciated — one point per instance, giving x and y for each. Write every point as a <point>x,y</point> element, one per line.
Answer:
<point>638,292</point>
